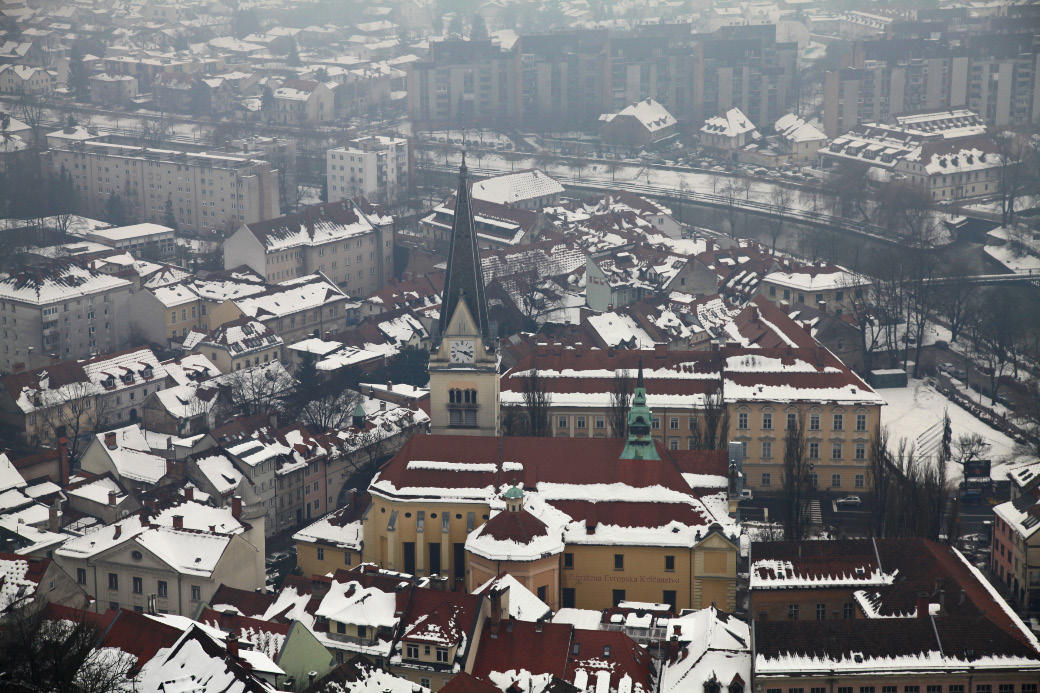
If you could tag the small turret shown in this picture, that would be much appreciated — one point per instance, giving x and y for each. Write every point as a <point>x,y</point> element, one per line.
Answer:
<point>640,444</point>
<point>514,499</point>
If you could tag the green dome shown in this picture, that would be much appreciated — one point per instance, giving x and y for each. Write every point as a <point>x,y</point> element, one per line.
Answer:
<point>514,493</point>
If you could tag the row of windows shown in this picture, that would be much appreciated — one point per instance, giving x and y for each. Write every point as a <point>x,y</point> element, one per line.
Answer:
<point>848,611</point>
<point>619,562</point>
<point>838,421</point>
<point>137,585</point>
<point>859,481</point>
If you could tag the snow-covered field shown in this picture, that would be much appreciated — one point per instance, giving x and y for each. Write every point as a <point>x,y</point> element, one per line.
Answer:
<point>915,409</point>
<point>1024,263</point>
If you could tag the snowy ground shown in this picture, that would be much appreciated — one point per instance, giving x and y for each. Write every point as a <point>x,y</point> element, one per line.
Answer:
<point>915,409</point>
<point>1029,264</point>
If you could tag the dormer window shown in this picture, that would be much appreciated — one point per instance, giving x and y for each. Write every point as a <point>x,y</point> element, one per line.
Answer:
<point>411,651</point>
<point>147,372</point>
<point>128,378</point>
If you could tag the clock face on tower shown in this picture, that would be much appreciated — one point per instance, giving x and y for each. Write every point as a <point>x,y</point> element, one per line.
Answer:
<point>462,351</point>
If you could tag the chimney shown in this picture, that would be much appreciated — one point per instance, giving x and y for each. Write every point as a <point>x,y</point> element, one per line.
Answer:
<point>541,350</point>
<point>821,306</point>
<point>660,351</point>
<point>382,405</point>
<point>110,440</point>
<point>111,497</point>
<point>578,349</point>
<point>922,606</point>
<point>232,644</point>
<point>807,328</point>
<point>236,507</point>
<point>119,530</point>
<point>673,649</point>
<point>189,493</point>
<point>178,521</point>
<point>54,516</point>
<point>63,460</point>
<point>496,609</point>
<point>610,352</point>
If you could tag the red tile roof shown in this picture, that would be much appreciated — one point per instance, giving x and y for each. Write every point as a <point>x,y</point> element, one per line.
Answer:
<point>248,603</point>
<point>138,635</point>
<point>612,651</point>
<point>467,683</point>
<point>540,648</point>
<point>520,527</point>
<point>436,616</point>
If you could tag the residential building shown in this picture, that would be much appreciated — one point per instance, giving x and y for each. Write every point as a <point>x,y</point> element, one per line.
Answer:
<point>174,559</point>
<point>334,541</point>
<point>40,406</point>
<point>497,225</point>
<point>640,124</point>
<point>124,380</point>
<point>478,80</point>
<point>292,310</point>
<point>26,79</point>
<point>729,132</point>
<point>530,189</point>
<point>383,167</point>
<point>301,102</point>
<point>822,285</point>
<point>61,308</point>
<point>236,343</point>
<point>351,247</point>
<point>621,276</point>
<point>126,455</point>
<point>39,581</point>
<point>112,90</point>
<point>1015,544</point>
<point>147,67</point>
<point>564,79</point>
<point>166,314</point>
<point>208,192</point>
<point>798,139</point>
<point>883,613</point>
<point>200,96</point>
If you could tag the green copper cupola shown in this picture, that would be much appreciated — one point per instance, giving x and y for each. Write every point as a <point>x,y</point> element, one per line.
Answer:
<point>640,444</point>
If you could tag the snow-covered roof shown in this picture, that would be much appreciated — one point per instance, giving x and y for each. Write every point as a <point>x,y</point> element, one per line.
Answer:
<point>731,124</point>
<point>354,604</point>
<point>650,114</point>
<point>135,231</point>
<point>513,188</point>
<point>58,280</point>
<point>332,530</point>
<point>524,605</point>
<point>795,129</point>
<point>714,647</point>
<point>131,455</point>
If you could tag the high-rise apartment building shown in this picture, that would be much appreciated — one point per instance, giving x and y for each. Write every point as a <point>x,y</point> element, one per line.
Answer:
<point>208,192</point>
<point>373,166</point>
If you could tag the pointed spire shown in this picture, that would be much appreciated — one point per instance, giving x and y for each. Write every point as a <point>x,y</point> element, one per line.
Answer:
<point>640,444</point>
<point>464,280</point>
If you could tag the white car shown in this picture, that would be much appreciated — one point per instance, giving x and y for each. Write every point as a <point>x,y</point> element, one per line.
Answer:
<point>848,502</point>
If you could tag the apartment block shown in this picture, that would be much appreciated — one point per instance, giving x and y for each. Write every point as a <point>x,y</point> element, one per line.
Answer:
<point>351,243</point>
<point>370,166</point>
<point>209,192</point>
<point>64,309</point>
<point>464,82</point>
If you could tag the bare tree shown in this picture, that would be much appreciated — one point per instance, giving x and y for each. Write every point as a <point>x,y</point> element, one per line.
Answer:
<point>257,390</point>
<point>797,482</point>
<point>537,405</point>
<point>781,199</point>
<point>1011,149</point>
<point>333,410</point>
<point>545,160</point>
<point>34,115</point>
<point>620,403</point>
<point>716,421</point>
<point>38,653</point>
<point>612,167</point>
<point>70,411</point>
<point>955,292</point>
<point>879,473</point>
<point>746,183</point>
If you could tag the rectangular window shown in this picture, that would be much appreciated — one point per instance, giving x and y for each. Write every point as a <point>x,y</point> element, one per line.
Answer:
<point>767,449</point>
<point>619,561</point>
<point>937,688</point>
<point>1001,688</point>
<point>579,422</point>
<point>81,576</point>
<point>814,422</point>
<point>814,451</point>
<point>162,591</point>
<point>618,596</point>
<point>669,563</point>
<point>742,420</point>
<point>655,423</point>
<point>792,612</point>
<point>861,481</point>
<point>844,689</point>
<point>911,689</point>
<point>836,480</point>
<point>442,655</point>
<point>821,612</point>
<point>983,688</point>
<point>196,593</point>
<point>861,451</point>
<point>321,554</point>
<point>138,585</point>
<point>792,421</point>
<point>673,423</point>
<point>568,560</point>
<point>411,651</point>
<point>861,422</point>
<point>113,581</point>
<point>767,479</point>
<point>839,422</point>
<point>562,422</point>
<point>836,451</point>
<point>601,422</point>
<point>767,421</point>
<point>849,612</point>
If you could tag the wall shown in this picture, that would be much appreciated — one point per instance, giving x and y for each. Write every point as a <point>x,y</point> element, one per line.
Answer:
<point>594,579</point>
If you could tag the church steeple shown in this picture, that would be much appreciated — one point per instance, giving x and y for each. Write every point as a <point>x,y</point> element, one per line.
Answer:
<point>640,444</point>
<point>464,280</point>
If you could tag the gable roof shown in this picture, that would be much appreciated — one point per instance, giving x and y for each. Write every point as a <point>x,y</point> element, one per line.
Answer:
<point>312,226</point>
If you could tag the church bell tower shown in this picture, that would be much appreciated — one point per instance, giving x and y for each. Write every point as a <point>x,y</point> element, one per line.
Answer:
<point>464,384</point>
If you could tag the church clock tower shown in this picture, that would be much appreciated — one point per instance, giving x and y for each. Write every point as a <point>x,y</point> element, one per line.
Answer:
<point>464,384</point>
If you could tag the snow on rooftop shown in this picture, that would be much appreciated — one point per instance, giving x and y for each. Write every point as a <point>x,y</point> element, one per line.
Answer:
<point>350,603</point>
<point>731,124</point>
<point>512,188</point>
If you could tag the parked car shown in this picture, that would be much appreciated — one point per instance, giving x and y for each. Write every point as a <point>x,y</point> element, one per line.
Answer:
<point>848,502</point>
<point>946,368</point>
<point>971,497</point>
<point>745,494</point>
<point>959,373</point>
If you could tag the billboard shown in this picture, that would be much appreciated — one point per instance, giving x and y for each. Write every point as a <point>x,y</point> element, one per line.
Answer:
<point>976,469</point>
